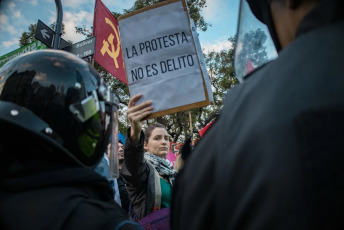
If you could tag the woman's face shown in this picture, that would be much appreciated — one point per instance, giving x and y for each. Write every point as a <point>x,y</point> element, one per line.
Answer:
<point>158,142</point>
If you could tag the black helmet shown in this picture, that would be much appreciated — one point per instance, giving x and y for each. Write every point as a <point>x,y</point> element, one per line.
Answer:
<point>61,100</point>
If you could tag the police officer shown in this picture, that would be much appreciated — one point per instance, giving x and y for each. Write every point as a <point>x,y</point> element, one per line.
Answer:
<point>56,117</point>
<point>274,159</point>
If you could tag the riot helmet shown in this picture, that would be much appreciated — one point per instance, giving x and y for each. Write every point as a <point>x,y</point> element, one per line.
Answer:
<point>256,39</point>
<point>62,101</point>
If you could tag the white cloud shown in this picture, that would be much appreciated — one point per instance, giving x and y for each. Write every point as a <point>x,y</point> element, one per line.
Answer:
<point>11,5</point>
<point>52,18</point>
<point>3,20</point>
<point>33,2</point>
<point>118,6</point>
<point>74,4</point>
<point>16,14</point>
<point>10,43</point>
<point>216,10</point>
<point>211,8</point>
<point>11,29</point>
<point>72,20</point>
<point>217,46</point>
<point>5,27</point>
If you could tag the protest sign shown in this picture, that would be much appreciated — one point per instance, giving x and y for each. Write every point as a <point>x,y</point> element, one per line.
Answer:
<point>202,61</point>
<point>161,59</point>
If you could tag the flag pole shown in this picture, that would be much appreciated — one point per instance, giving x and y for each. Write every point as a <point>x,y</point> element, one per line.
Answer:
<point>190,121</point>
<point>94,19</point>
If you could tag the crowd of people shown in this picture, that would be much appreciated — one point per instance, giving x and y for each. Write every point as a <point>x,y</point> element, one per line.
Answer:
<point>272,160</point>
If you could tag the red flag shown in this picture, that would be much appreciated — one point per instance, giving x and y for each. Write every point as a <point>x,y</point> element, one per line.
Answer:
<point>205,129</point>
<point>108,52</point>
<point>249,67</point>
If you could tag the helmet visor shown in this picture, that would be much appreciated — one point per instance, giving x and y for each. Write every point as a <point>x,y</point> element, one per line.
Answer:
<point>254,46</point>
<point>99,116</point>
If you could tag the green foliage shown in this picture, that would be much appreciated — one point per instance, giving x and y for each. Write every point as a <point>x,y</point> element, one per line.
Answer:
<point>28,37</point>
<point>84,31</point>
<point>63,27</point>
<point>195,8</point>
<point>221,71</point>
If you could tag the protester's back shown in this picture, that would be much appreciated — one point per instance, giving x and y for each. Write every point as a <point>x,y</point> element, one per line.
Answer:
<point>276,154</point>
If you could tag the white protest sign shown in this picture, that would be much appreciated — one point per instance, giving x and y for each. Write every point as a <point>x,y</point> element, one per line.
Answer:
<point>202,61</point>
<point>161,59</point>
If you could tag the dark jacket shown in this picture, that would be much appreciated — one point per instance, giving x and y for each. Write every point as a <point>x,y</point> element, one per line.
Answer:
<point>37,195</point>
<point>275,157</point>
<point>125,202</point>
<point>143,182</point>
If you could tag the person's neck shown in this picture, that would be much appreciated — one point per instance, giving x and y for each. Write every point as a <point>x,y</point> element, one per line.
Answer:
<point>120,163</point>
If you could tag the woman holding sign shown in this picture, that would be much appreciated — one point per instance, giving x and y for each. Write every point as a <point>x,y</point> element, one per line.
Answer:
<point>148,174</point>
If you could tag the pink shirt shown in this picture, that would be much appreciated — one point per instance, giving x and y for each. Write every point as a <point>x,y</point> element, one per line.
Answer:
<point>171,157</point>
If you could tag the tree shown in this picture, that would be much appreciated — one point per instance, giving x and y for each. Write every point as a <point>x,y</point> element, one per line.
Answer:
<point>28,37</point>
<point>195,8</point>
<point>221,71</point>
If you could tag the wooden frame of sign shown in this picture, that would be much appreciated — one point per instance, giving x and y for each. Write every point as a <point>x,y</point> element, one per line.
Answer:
<point>184,107</point>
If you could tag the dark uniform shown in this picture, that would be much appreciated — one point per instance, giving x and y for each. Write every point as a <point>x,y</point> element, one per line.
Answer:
<point>275,158</point>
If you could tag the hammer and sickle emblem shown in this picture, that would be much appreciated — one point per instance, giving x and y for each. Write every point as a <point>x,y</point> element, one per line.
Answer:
<point>105,49</point>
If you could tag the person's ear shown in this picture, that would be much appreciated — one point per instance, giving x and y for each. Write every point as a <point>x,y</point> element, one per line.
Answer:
<point>145,146</point>
<point>293,4</point>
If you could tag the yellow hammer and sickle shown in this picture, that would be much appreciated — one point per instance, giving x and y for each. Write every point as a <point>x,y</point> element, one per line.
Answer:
<point>105,49</point>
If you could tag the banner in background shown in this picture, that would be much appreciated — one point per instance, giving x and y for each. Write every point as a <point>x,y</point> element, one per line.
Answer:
<point>108,52</point>
<point>176,147</point>
<point>35,45</point>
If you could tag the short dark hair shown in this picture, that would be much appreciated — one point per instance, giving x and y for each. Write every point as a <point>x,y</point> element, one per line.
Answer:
<point>148,131</point>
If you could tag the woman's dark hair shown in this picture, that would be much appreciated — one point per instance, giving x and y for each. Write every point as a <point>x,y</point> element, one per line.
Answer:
<point>148,131</point>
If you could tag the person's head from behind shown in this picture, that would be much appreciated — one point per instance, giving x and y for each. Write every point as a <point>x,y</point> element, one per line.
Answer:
<point>60,102</point>
<point>157,140</point>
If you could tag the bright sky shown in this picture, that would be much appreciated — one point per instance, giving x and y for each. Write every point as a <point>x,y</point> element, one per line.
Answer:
<point>17,15</point>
